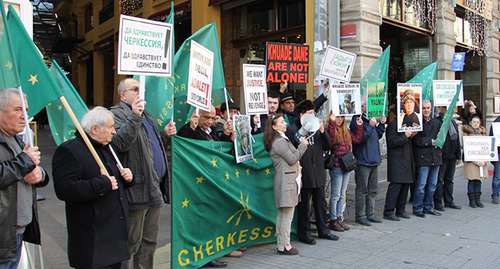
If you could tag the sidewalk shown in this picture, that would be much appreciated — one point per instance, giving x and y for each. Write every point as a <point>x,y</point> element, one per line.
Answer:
<point>466,238</point>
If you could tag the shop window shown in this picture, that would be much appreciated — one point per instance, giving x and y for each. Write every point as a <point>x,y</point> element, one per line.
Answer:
<point>89,18</point>
<point>421,14</point>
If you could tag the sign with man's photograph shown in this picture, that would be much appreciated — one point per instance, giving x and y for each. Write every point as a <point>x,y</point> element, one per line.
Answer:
<point>444,91</point>
<point>346,99</point>
<point>255,87</point>
<point>409,104</point>
<point>201,66</point>
<point>480,148</point>
<point>243,142</point>
<point>376,103</point>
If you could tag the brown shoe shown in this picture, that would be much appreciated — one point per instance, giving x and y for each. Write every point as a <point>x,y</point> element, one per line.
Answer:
<point>336,226</point>
<point>292,251</point>
<point>346,228</point>
<point>235,254</point>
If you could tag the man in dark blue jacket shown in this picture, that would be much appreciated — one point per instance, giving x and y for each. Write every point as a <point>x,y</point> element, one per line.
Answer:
<point>368,155</point>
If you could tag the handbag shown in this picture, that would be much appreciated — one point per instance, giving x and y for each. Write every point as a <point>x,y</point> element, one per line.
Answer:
<point>348,161</point>
<point>330,158</point>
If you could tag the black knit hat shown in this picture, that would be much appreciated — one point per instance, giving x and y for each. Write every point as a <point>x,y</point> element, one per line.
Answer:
<point>304,106</point>
<point>231,106</point>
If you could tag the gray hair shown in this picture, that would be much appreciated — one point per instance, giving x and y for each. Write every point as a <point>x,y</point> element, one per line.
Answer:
<point>5,97</point>
<point>427,101</point>
<point>96,116</point>
<point>124,85</point>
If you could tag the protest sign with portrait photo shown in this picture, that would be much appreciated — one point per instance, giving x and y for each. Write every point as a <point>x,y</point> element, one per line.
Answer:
<point>243,142</point>
<point>346,99</point>
<point>409,114</point>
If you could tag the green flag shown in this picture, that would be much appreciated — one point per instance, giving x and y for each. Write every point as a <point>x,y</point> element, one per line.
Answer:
<point>207,37</point>
<point>447,119</point>
<point>426,76</point>
<point>61,125</point>
<point>378,72</point>
<point>159,93</point>
<point>34,75</point>
<point>8,74</point>
<point>217,205</point>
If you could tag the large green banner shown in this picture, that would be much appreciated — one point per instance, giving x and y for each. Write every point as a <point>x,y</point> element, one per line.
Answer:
<point>217,205</point>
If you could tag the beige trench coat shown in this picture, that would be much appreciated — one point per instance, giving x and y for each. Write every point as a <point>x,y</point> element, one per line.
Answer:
<point>471,169</point>
<point>285,159</point>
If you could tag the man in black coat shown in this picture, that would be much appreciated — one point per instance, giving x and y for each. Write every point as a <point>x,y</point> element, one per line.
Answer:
<point>451,157</point>
<point>427,160</point>
<point>313,177</point>
<point>96,205</point>
<point>400,171</point>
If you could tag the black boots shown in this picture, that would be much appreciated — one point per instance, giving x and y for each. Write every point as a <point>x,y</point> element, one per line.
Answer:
<point>475,199</point>
<point>472,199</point>
<point>478,202</point>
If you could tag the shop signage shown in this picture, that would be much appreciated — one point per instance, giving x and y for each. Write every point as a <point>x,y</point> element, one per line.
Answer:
<point>201,66</point>
<point>287,62</point>
<point>255,87</point>
<point>457,63</point>
<point>444,91</point>
<point>338,64</point>
<point>144,47</point>
<point>480,148</point>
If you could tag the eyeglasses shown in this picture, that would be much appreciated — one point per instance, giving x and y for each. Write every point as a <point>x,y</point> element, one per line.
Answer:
<point>134,89</point>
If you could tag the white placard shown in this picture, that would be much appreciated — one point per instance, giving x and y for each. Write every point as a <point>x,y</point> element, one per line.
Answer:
<point>480,148</point>
<point>255,87</point>
<point>338,64</point>
<point>409,115</point>
<point>144,47</point>
<point>444,91</point>
<point>201,67</point>
<point>346,99</point>
<point>496,132</point>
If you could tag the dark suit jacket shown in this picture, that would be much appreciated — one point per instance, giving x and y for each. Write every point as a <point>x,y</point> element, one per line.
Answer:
<point>199,134</point>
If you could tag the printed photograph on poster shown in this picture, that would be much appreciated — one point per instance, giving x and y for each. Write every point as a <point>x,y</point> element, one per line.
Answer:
<point>144,47</point>
<point>496,132</point>
<point>255,88</point>
<point>243,142</point>
<point>480,148</point>
<point>444,91</point>
<point>346,99</point>
<point>409,106</point>
<point>201,66</point>
<point>377,100</point>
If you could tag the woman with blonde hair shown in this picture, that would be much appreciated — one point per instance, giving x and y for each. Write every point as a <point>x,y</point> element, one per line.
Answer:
<point>472,169</point>
<point>342,139</point>
<point>285,159</point>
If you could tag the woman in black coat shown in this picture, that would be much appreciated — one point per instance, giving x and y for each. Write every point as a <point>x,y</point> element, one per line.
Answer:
<point>96,206</point>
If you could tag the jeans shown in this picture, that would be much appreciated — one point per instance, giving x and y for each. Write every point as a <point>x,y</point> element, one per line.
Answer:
<point>495,183</point>
<point>144,225</point>
<point>425,187</point>
<point>283,227</point>
<point>444,187</point>
<point>13,264</point>
<point>338,181</point>
<point>366,190</point>
<point>473,186</point>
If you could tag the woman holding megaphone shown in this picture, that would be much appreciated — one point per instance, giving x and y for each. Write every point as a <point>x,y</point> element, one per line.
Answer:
<point>342,139</point>
<point>287,175</point>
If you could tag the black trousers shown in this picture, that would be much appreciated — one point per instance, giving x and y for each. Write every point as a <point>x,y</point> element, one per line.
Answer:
<point>304,213</point>
<point>396,197</point>
<point>444,187</point>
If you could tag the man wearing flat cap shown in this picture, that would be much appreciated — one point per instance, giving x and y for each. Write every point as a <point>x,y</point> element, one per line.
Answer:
<point>410,119</point>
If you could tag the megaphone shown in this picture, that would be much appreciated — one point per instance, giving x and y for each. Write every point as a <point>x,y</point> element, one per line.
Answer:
<point>310,124</point>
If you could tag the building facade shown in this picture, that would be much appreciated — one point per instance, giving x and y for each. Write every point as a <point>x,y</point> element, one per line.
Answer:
<point>419,31</point>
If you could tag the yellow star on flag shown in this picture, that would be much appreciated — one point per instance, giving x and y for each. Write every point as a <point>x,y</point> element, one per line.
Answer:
<point>237,174</point>
<point>268,172</point>
<point>59,107</point>
<point>49,104</point>
<point>199,180</point>
<point>248,172</point>
<point>214,162</point>
<point>33,79</point>
<point>185,203</point>
<point>9,65</point>
<point>227,175</point>
<point>255,160</point>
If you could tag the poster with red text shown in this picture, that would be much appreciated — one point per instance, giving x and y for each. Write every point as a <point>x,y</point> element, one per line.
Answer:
<point>201,65</point>
<point>255,87</point>
<point>287,62</point>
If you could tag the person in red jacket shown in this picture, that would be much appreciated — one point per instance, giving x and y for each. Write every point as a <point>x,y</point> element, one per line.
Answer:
<point>342,139</point>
